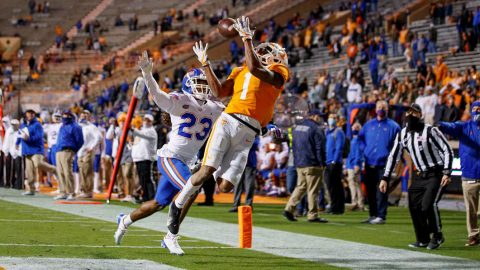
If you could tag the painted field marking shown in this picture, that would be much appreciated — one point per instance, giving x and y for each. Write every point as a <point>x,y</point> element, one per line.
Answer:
<point>41,263</point>
<point>277,242</point>
<point>49,221</point>
<point>110,246</point>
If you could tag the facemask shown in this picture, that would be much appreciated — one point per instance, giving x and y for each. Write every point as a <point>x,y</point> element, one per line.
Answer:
<point>67,120</point>
<point>476,117</point>
<point>332,122</point>
<point>355,132</point>
<point>413,123</point>
<point>381,113</point>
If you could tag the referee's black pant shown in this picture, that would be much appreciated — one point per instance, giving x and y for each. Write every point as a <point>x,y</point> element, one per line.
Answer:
<point>423,197</point>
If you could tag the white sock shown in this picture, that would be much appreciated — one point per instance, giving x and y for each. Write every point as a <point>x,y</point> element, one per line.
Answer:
<point>187,191</point>
<point>127,221</point>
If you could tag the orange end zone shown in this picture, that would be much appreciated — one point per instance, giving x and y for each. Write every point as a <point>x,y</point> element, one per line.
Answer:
<point>79,202</point>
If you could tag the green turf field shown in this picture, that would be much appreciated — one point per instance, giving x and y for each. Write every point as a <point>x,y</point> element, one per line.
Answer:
<point>397,233</point>
<point>48,233</point>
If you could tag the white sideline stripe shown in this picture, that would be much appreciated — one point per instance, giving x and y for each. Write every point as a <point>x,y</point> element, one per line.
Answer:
<point>112,246</point>
<point>34,263</point>
<point>48,221</point>
<point>280,243</point>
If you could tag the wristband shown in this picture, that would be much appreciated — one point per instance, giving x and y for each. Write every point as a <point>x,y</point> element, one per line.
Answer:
<point>207,63</point>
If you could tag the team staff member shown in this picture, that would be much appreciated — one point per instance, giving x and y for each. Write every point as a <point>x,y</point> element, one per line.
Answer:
<point>143,154</point>
<point>70,140</point>
<point>468,134</point>
<point>333,173</point>
<point>354,165</point>
<point>309,159</point>
<point>31,140</point>
<point>432,157</point>
<point>376,139</point>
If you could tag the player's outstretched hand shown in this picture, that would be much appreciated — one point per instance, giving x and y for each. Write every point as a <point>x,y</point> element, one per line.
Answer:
<point>145,63</point>
<point>201,52</point>
<point>242,25</point>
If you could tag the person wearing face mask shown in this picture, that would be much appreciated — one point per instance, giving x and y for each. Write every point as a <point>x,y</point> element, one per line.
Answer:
<point>308,148</point>
<point>376,139</point>
<point>432,156</point>
<point>468,133</point>
<point>69,141</point>
<point>354,166</point>
<point>143,153</point>
<point>335,141</point>
<point>31,140</point>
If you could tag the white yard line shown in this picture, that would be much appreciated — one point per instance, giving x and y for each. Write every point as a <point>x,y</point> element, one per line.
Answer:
<point>281,243</point>
<point>34,263</point>
<point>48,221</point>
<point>112,246</point>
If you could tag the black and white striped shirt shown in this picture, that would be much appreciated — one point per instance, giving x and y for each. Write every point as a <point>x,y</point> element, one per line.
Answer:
<point>428,149</point>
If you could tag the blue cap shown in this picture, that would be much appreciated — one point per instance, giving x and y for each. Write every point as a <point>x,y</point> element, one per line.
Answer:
<point>316,112</point>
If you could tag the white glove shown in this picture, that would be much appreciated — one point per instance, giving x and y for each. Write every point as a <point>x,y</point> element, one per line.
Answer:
<point>242,25</point>
<point>139,87</point>
<point>145,63</point>
<point>201,52</point>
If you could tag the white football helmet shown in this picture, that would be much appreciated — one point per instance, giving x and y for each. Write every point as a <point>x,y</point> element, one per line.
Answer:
<point>271,53</point>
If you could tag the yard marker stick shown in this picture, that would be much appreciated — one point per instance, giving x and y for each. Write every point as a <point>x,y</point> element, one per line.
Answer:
<point>245,226</point>
<point>131,108</point>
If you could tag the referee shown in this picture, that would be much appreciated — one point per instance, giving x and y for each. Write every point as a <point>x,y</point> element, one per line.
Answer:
<point>432,157</point>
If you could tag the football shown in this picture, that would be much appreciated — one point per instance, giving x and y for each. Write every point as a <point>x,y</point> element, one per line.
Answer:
<point>225,28</point>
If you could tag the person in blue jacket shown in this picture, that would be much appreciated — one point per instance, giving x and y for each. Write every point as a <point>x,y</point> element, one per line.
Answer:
<point>31,140</point>
<point>376,138</point>
<point>70,140</point>
<point>354,167</point>
<point>468,133</point>
<point>333,172</point>
<point>309,159</point>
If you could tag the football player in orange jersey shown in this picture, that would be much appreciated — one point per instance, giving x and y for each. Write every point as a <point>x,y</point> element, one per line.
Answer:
<point>254,89</point>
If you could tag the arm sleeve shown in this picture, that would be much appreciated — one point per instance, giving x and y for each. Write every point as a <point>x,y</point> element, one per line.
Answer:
<point>145,134</point>
<point>110,133</point>
<point>36,133</point>
<point>79,138</point>
<point>394,156</point>
<point>319,138</point>
<point>452,129</point>
<point>281,70</point>
<point>442,145</point>
<point>361,140</point>
<point>234,73</point>
<point>162,99</point>
<point>339,144</point>
<point>357,161</point>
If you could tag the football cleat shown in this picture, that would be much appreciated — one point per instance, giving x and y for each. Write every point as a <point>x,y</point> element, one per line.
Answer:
<point>121,229</point>
<point>171,242</point>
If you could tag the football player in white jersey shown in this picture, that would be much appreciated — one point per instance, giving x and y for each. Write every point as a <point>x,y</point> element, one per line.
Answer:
<point>192,115</point>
